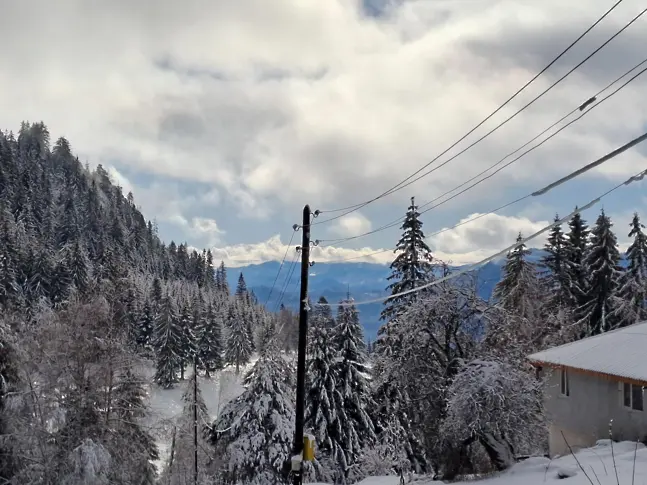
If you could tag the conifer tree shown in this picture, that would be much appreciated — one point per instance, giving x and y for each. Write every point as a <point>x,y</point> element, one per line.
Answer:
<point>633,285</point>
<point>411,267</point>
<point>187,345</point>
<point>130,407</point>
<point>357,427</point>
<point>210,342</point>
<point>518,291</point>
<point>145,326</point>
<point>602,259</point>
<point>577,242</point>
<point>241,289</point>
<point>259,424</point>
<point>555,262</point>
<point>325,412</point>
<point>238,349</point>
<point>168,343</point>
<point>221,278</point>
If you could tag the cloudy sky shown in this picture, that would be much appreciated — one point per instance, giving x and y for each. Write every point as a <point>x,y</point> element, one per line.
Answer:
<point>225,117</point>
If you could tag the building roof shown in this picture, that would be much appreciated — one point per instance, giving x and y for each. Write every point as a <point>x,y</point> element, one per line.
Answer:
<point>618,353</point>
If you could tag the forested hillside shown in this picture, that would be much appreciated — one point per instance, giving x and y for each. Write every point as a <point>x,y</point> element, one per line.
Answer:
<point>88,292</point>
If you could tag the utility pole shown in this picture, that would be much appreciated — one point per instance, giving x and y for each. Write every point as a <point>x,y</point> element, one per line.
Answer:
<point>303,334</point>
<point>195,421</point>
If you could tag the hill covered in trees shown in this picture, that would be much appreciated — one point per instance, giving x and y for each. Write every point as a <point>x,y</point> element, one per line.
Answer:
<point>88,291</point>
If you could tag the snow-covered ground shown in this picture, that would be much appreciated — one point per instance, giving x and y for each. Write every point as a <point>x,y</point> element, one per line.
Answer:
<point>166,404</point>
<point>598,467</point>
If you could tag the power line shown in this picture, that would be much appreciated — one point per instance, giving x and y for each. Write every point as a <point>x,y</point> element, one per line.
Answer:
<point>539,192</point>
<point>467,269</point>
<point>406,182</point>
<point>287,282</point>
<point>294,231</point>
<point>592,103</point>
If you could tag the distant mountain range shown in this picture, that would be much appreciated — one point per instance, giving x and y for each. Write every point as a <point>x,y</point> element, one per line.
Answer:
<point>365,281</point>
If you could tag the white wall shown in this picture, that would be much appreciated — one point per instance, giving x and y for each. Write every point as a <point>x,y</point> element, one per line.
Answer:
<point>585,414</point>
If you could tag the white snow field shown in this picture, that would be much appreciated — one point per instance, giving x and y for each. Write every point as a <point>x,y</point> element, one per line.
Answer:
<point>166,404</point>
<point>597,463</point>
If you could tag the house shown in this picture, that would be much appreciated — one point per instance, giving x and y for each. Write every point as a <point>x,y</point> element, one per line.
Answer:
<point>593,381</point>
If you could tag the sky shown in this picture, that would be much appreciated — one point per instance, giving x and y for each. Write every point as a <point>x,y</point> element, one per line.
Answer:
<point>225,117</point>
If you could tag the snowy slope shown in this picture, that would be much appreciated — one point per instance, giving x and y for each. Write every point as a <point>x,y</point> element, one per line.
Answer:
<point>598,463</point>
<point>166,404</point>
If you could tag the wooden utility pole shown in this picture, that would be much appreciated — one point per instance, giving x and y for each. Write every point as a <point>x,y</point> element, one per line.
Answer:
<point>303,337</point>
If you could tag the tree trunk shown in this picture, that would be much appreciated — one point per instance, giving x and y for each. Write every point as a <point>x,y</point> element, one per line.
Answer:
<point>499,451</point>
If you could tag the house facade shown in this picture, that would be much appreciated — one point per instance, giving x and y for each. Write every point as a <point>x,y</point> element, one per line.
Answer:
<point>596,386</point>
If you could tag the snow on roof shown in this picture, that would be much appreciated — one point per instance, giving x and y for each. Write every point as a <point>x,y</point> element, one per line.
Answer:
<point>618,353</point>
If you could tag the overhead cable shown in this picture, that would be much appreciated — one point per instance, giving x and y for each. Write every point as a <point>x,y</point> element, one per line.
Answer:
<point>408,181</point>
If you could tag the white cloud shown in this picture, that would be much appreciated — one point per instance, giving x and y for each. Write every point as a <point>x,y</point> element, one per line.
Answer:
<point>274,250</point>
<point>351,225</point>
<point>312,100</point>
<point>205,229</point>
<point>483,237</point>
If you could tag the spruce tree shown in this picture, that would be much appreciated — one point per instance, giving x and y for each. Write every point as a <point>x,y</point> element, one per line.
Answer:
<point>576,274</point>
<point>322,314</point>
<point>351,372</point>
<point>602,259</point>
<point>633,284</point>
<point>238,349</point>
<point>411,267</point>
<point>168,343</point>
<point>241,288</point>
<point>210,342</point>
<point>145,326</point>
<point>187,345</point>
<point>555,262</point>
<point>130,407</point>
<point>325,412</point>
<point>518,290</point>
<point>254,432</point>
<point>221,278</point>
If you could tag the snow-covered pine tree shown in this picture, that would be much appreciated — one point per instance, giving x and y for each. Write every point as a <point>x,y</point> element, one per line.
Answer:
<point>602,259</point>
<point>632,304</point>
<point>576,275</point>
<point>555,262</point>
<point>411,267</point>
<point>210,342</point>
<point>187,346</point>
<point>322,314</point>
<point>145,326</point>
<point>180,471</point>
<point>351,371</point>
<point>254,432</point>
<point>238,349</point>
<point>168,343</point>
<point>135,441</point>
<point>518,288</point>
<point>241,288</point>
<point>324,402</point>
<point>221,278</point>
<point>518,295</point>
